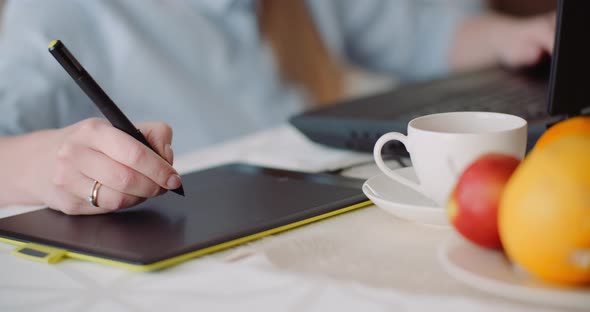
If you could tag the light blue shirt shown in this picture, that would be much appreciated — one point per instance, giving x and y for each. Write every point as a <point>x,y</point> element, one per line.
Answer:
<point>198,65</point>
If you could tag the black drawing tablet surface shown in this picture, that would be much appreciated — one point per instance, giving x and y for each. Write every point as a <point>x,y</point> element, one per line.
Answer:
<point>224,206</point>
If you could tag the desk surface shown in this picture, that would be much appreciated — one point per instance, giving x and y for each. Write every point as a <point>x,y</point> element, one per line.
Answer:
<point>364,260</point>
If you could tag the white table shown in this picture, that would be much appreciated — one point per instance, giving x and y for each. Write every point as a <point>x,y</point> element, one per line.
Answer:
<point>365,260</point>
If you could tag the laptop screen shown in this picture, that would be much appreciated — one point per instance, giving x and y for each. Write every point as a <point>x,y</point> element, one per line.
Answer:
<point>571,62</point>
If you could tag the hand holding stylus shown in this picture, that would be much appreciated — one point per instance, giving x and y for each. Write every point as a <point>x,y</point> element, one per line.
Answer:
<point>93,150</point>
<point>116,161</point>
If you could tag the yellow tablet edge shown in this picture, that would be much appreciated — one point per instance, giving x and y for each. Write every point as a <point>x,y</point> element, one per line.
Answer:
<point>193,254</point>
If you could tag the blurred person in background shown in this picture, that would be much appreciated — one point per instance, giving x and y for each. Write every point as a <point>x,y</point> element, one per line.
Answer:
<point>211,70</point>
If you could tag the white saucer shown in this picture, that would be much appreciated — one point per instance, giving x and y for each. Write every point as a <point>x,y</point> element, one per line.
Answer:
<point>402,201</point>
<point>491,272</point>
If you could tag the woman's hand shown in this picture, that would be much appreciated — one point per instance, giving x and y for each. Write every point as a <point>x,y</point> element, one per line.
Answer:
<point>523,42</point>
<point>496,39</point>
<point>94,150</point>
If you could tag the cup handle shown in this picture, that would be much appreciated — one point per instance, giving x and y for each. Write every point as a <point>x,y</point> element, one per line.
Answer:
<point>393,136</point>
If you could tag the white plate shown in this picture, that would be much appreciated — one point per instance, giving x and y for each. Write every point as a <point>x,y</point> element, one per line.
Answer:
<point>491,272</point>
<point>402,201</point>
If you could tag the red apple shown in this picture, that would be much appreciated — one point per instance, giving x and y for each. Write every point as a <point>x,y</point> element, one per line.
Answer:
<point>473,205</point>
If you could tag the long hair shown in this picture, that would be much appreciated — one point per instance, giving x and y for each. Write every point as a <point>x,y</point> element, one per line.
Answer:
<point>300,53</point>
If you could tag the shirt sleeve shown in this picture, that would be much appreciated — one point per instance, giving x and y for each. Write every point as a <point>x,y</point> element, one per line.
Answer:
<point>35,92</point>
<point>409,39</point>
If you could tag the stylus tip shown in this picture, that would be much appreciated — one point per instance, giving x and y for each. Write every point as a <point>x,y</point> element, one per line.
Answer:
<point>179,191</point>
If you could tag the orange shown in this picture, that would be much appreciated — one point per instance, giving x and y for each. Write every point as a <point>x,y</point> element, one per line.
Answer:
<point>574,126</point>
<point>544,213</point>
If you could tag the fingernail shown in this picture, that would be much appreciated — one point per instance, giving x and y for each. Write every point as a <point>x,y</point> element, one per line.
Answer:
<point>173,182</point>
<point>169,153</point>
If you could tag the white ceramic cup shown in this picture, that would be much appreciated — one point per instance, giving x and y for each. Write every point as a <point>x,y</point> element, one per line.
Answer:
<point>442,145</point>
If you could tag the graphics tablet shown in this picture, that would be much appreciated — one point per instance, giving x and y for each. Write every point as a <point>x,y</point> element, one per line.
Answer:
<point>225,206</point>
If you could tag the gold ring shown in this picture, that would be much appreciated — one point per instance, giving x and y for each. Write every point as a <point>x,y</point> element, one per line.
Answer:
<point>92,199</point>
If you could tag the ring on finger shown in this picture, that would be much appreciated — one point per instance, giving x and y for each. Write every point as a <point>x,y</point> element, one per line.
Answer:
<point>93,198</point>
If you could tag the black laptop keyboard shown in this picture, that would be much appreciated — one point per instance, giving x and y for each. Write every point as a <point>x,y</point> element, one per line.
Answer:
<point>357,123</point>
<point>512,96</point>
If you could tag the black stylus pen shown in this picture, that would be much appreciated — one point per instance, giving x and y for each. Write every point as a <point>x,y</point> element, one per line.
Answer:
<point>97,95</point>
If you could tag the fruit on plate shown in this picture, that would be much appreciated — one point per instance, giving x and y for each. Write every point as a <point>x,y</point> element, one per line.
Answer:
<point>574,126</point>
<point>544,216</point>
<point>473,204</point>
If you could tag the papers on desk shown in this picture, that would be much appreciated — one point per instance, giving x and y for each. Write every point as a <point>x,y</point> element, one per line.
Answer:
<point>282,147</point>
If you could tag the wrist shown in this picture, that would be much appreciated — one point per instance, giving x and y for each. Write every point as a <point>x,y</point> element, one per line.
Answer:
<point>498,27</point>
<point>26,166</point>
<point>479,41</point>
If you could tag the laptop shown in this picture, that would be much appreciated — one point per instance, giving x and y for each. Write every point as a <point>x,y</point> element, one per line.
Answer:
<point>549,92</point>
